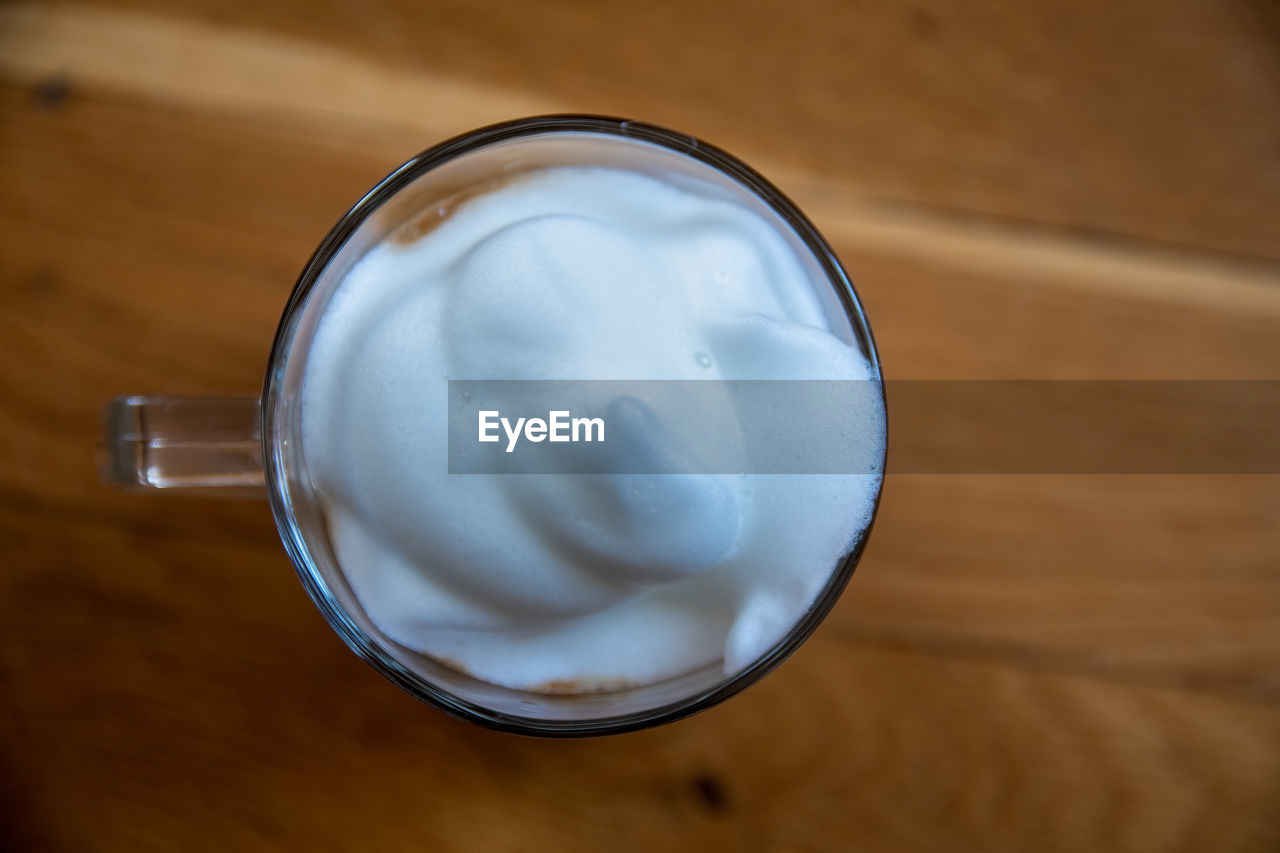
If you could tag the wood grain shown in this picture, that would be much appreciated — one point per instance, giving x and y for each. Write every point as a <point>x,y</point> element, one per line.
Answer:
<point>201,704</point>
<point>1049,663</point>
<point>1079,116</point>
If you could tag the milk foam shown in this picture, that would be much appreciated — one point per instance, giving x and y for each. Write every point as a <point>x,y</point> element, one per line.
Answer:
<point>558,582</point>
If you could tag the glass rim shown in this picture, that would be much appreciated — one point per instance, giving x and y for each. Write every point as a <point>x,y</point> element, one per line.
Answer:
<point>295,542</point>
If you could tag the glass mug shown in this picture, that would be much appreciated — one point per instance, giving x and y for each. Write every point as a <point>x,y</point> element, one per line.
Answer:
<point>239,445</point>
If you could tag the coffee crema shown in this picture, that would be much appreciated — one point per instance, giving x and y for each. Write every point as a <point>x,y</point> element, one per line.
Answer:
<point>558,583</point>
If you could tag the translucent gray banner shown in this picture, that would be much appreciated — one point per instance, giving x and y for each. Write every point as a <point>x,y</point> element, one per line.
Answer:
<point>836,427</point>
<point>1085,427</point>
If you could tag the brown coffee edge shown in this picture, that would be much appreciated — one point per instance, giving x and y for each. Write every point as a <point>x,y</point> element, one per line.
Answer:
<point>450,663</point>
<point>555,687</point>
<point>581,686</point>
<point>436,214</point>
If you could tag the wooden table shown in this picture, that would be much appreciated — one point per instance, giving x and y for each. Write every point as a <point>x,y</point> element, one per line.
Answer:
<point>1035,190</point>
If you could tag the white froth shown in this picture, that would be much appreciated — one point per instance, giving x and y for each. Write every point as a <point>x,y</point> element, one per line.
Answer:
<point>527,581</point>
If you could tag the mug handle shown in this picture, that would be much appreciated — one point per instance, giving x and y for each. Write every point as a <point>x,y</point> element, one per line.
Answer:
<point>174,443</point>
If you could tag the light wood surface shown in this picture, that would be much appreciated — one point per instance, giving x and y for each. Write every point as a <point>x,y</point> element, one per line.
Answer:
<point>1021,663</point>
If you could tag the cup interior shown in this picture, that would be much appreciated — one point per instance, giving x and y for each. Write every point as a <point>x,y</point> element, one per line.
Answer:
<point>408,199</point>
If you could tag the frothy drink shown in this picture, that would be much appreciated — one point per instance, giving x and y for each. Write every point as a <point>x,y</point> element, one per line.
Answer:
<point>561,583</point>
